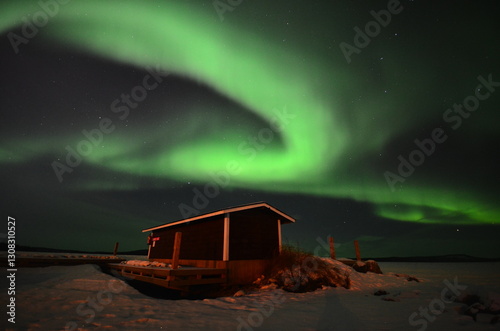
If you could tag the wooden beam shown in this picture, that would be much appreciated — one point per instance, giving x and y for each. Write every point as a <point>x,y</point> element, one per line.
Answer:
<point>225,253</point>
<point>115,250</point>
<point>177,249</point>
<point>358,253</point>
<point>199,271</point>
<point>332,249</point>
<point>279,235</point>
<point>149,245</point>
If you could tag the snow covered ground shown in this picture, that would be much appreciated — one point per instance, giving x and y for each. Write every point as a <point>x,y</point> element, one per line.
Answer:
<point>84,298</point>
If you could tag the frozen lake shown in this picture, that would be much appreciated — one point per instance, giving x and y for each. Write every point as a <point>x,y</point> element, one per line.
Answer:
<point>83,298</point>
<point>478,274</point>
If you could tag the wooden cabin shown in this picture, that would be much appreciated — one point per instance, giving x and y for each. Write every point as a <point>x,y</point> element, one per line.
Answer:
<point>242,240</point>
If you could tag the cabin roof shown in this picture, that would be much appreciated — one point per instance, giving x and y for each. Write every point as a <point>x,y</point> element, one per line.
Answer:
<point>286,218</point>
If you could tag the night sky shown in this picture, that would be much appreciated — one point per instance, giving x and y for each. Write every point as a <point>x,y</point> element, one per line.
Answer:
<point>375,121</point>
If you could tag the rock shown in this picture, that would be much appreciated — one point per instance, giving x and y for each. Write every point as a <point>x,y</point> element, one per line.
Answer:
<point>367,266</point>
<point>271,286</point>
<point>408,277</point>
<point>259,280</point>
<point>390,299</point>
<point>240,293</point>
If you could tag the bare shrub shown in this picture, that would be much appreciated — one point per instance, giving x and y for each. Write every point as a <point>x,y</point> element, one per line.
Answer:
<point>296,270</point>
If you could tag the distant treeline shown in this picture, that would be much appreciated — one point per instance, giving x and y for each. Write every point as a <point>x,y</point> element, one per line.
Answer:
<point>441,258</point>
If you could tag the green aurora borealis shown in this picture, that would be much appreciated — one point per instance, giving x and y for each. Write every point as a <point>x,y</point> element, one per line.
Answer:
<point>347,123</point>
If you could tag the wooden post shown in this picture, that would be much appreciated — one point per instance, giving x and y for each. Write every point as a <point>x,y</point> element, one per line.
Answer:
<point>332,249</point>
<point>225,244</point>
<point>177,249</point>
<point>115,250</point>
<point>279,236</point>
<point>356,247</point>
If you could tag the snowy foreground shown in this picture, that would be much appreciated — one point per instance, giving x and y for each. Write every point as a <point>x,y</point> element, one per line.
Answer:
<point>84,298</point>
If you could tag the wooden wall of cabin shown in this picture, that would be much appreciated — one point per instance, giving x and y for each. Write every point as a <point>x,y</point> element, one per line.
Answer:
<point>253,235</point>
<point>246,271</point>
<point>200,240</point>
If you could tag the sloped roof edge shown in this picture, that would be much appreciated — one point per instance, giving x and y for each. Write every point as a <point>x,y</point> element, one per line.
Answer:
<point>286,218</point>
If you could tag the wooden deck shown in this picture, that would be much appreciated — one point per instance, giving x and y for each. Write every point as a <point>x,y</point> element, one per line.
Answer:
<point>177,279</point>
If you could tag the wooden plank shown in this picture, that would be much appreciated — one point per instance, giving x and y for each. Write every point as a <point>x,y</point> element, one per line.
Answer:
<point>141,270</point>
<point>168,272</point>
<point>188,275</point>
<point>191,272</point>
<point>155,281</point>
<point>218,264</point>
<point>177,250</point>
<point>145,274</point>
<point>177,283</point>
<point>115,250</point>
